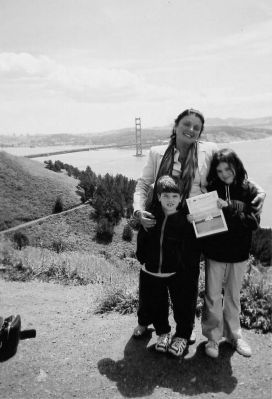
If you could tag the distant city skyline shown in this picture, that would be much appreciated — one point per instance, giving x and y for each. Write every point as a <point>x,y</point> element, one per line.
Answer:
<point>87,66</point>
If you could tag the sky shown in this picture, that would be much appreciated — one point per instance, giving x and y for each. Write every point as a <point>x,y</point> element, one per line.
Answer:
<point>77,66</point>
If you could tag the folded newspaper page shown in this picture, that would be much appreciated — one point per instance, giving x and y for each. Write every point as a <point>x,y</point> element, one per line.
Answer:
<point>208,218</point>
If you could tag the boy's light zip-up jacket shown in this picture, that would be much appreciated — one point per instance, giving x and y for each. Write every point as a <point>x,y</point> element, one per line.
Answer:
<point>160,248</point>
<point>233,245</point>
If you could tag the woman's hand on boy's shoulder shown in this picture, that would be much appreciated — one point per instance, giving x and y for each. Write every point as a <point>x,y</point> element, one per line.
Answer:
<point>146,219</point>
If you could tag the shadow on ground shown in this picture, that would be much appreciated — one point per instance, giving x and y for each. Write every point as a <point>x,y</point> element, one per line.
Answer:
<point>143,369</point>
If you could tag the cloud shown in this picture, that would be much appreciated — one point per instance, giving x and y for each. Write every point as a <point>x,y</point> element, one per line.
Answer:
<point>254,39</point>
<point>83,84</point>
<point>24,65</point>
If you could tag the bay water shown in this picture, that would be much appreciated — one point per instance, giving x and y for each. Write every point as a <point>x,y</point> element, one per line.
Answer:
<point>255,154</point>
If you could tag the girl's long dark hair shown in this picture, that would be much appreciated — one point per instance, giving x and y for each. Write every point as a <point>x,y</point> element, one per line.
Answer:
<point>231,158</point>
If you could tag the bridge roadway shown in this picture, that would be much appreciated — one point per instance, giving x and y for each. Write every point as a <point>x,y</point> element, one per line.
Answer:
<point>99,147</point>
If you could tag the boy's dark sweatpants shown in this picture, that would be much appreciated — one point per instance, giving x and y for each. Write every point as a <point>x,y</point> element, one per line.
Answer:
<point>183,288</point>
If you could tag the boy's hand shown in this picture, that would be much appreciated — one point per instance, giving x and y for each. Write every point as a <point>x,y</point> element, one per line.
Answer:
<point>221,203</point>
<point>190,218</point>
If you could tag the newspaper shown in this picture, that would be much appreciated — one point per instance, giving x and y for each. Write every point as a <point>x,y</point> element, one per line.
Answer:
<point>208,218</point>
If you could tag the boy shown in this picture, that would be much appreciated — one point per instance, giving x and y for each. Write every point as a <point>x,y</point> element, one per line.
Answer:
<point>160,250</point>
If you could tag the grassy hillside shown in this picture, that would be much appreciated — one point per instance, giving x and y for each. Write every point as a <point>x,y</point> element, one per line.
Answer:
<point>63,249</point>
<point>29,191</point>
<point>75,231</point>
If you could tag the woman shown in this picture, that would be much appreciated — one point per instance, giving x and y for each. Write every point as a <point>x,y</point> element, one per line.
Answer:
<point>189,160</point>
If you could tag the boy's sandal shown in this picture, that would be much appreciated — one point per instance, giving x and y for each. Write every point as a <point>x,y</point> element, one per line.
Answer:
<point>139,331</point>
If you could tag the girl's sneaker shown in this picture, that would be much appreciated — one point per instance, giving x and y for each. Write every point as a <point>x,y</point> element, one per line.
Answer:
<point>178,346</point>
<point>241,346</point>
<point>139,331</point>
<point>163,342</point>
<point>211,349</point>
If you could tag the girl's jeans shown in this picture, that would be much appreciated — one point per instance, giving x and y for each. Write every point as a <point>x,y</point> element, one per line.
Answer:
<point>221,313</point>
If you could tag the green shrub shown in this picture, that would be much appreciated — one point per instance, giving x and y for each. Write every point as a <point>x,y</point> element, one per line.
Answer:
<point>127,233</point>
<point>201,290</point>
<point>58,246</point>
<point>118,300</point>
<point>19,272</point>
<point>20,240</point>
<point>256,299</point>
<point>58,206</point>
<point>57,272</point>
<point>261,246</point>
<point>104,230</point>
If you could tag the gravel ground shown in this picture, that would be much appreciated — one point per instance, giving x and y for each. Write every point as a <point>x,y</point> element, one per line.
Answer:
<point>77,354</point>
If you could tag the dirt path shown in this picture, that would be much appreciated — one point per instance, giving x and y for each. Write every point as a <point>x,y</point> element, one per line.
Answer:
<point>77,354</point>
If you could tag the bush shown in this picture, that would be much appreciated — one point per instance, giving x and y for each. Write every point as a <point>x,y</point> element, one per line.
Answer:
<point>256,299</point>
<point>261,246</point>
<point>19,272</point>
<point>201,290</point>
<point>62,274</point>
<point>104,230</point>
<point>20,240</point>
<point>118,300</point>
<point>58,246</point>
<point>58,207</point>
<point>127,233</point>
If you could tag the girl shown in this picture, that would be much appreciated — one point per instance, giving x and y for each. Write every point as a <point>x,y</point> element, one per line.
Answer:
<point>227,253</point>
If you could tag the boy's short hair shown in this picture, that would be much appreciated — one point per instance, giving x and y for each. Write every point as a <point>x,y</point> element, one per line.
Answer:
<point>167,184</point>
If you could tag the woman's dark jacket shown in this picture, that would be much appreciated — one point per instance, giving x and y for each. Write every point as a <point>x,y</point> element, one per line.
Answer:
<point>160,248</point>
<point>233,245</point>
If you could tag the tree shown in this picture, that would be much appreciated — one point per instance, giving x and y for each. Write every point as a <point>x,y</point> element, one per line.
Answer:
<point>104,230</point>
<point>20,240</point>
<point>58,207</point>
<point>127,233</point>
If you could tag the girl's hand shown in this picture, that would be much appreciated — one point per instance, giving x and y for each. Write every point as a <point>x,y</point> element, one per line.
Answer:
<point>258,202</point>
<point>221,203</point>
<point>190,218</point>
<point>147,220</point>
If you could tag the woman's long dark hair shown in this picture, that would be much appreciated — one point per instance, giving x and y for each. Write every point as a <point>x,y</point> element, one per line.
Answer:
<point>230,157</point>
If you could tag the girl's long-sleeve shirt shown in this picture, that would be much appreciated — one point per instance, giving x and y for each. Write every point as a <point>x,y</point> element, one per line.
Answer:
<point>233,245</point>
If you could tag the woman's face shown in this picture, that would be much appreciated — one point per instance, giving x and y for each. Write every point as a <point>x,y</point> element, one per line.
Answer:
<point>188,130</point>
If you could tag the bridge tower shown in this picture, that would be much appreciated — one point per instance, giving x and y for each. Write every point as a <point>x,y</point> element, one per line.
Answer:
<point>138,136</point>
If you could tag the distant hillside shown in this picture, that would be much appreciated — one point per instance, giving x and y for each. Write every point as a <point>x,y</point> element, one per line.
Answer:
<point>29,191</point>
<point>157,135</point>
<point>220,134</point>
<point>216,129</point>
<point>265,122</point>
